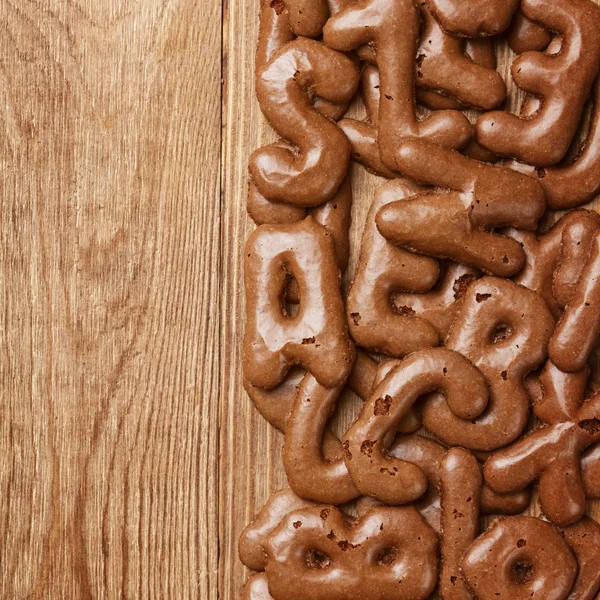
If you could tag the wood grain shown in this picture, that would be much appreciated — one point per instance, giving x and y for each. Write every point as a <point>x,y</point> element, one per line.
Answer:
<point>250,464</point>
<point>110,268</point>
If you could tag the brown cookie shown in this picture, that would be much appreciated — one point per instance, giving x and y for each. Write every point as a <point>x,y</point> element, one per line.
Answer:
<point>374,471</point>
<point>524,35</point>
<point>390,553</point>
<point>520,558</point>
<point>503,329</point>
<point>584,541</point>
<point>382,271</point>
<point>578,329</point>
<point>476,18</point>
<point>552,455</point>
<point>313,169</point>
<point>392,28</point>
<point>563,80</point>
<point>317,337</point>
<point>256,588</point>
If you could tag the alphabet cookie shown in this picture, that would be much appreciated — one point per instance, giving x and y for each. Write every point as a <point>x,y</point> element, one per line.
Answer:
<point>520,558</point>
<point>393,30</point>
<point>374,472</point>
<point>563,80</point>
<point>442,65</point>
<point>317,337</point>
<point>383,270</point>
<point>461,485</point>
<point>390,554</point>
<point>503,329</point>
<point>584,541</point>
<point>475,18</point>
<point>256,588</point>
<point>552,455</point>
<point>311,173</point>
<point>578,330</point>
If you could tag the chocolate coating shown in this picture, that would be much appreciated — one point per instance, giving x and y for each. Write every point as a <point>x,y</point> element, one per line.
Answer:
<point>520,558</point>
<point>383,270</point>
<point>316,549</point>
<point>524,35</point>
<point>376,473</point>
<point>584,541</point>
<point>392,28</point>
<point>563,80</point>
<point>461,485</point>
<point>551,453</point>
<point>317,337</point>
<point>256,588</point>
<point>313,173</point>
<point>474,18</point>
<point>503,329</point>
<point>578,330</point>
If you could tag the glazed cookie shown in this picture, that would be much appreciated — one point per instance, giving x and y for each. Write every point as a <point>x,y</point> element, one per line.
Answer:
<point>590,471</point>
<point>314,169</point>
<point>563,80</point>
<point>574,184</point>
<point>443,66</point>
<point>584,540</point>
<point>552,261</point>
<point>461,486</point>
<point>334,215</point>
<point>317,337</point>
<point>503,329</point>
<point>374,471</point>
<point>486,196</point>
<point>390,554</point>
<point>250,546</point>
<point>383,270</point>
<point>552,455</point>
<point>363,134</point>
<point>578,330</point>
<point>393,30</point>
<point>524,35</point>
<point>310,474</point>
<point>520,558</point>
<point>476,18</point>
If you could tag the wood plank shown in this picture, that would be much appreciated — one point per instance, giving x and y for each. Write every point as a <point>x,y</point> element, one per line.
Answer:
<point>250,461</point>
<point>110,264</point>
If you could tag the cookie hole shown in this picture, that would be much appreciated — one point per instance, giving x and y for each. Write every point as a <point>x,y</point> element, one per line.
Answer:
<point>522,572</point>
<point>387,556</point>
<point>291,297</point>
<point>501,333</point>
<point>316,559</point>
<point>591,426</point>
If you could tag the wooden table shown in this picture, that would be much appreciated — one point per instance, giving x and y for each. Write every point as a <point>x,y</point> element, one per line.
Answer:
<point>130,457</point>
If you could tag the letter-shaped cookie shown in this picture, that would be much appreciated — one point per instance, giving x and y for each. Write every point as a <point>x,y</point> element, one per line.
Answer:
<point>475,18</point>
<point>382,270</point>
<point>584,541</point>
<point>461,485</point>
<point>390,554</point>
<point>392,27</point>
<point>520,558</point>
<point>310,474</point>
<point>503,329</point>
<point>563,80</point>
<point>488,196</point>
<point>316,338</point>
<point>277,507</point>
<point>552,454</point>
<point>578,330</point>
<point>376,473</point>
<point>443,66</point>
<point>551,260</point>
<point>313,173</point>
<point>574,184</point>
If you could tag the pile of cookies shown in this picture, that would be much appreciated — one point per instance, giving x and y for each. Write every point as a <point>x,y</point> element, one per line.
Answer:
<point>474,309</point>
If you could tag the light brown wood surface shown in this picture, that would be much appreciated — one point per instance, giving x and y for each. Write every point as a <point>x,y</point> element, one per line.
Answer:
<point>130,456</point>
